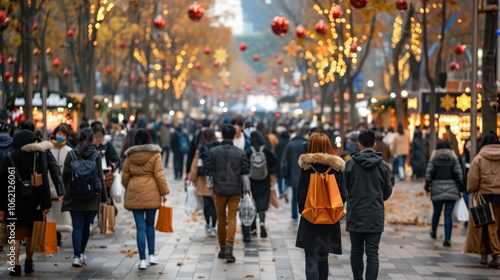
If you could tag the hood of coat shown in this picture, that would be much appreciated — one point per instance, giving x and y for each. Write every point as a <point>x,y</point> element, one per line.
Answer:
<point>490,152</point>
<point>444,154</point>
<point>37,147</point>
<point>140,154</point>
<point>5,140</point>
<point>335,162</point>
<point>85,151</point>
<point>368,158</point>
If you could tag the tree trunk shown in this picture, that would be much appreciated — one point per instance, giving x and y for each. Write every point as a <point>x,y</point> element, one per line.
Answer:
<point>489,95</point>
<point>28,9</point>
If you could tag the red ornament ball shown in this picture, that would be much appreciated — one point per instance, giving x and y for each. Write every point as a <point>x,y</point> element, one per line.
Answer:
<point>300,31</point>
<point>243,46</point>
<point>402,5</point>
<point>207,50</point>
<point>20,72</point>
<point>337,12</point>
<point>227,84</point>
<point>56,62</point>
<point>280,25</point>
<point>256,57</point>
<point>109,70</point>
<point>195,11</point>
<point>279,60</point>
<point>359,4</point>
<point>7,75</point>
<point>133,78</point>
<point>159,22</point>
<point>37,75</point>
<point>248,87</point>
<point>66,72</point>
<point>168,67</point>
<point>1,58</point>
<point>35,27</point>
<point>354,47</point>
<point>123,44</point>
<point>3,16</point>
<point>216,63</point>
<point>460,49</point>
<point>10,60</point>
<point>454,66</point>
<point>274,81</point>
<point>321,27</point>
<point>197,65</point>
<point>297,83</point>
<point>70,33</point>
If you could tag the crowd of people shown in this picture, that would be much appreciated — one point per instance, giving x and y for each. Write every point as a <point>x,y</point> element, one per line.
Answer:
<point>233,157</point>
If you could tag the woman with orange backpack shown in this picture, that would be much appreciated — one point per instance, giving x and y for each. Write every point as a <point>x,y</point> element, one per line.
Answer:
<point>320,195</point>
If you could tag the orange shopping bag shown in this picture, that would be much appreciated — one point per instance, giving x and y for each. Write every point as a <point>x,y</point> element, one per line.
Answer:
<point>164,222</point>
<point>44,237</point>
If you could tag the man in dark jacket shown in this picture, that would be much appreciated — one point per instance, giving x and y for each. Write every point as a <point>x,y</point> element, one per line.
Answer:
<point>290,167</point>
<point>175,145</point>
<point>368,181</point>
<point>228,168</point>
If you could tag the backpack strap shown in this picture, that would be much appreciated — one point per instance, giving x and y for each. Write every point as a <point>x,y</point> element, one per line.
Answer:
<point>94,156</point>
<point>324,173</point>
<point>73,155</point>
<point>261,149</point>
<point>253,149</point>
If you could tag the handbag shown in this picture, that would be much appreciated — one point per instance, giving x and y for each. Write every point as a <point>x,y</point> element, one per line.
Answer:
<point>107,219</point>
<point>482,212</point>
<point>194,203</point>
<point>44,237</point>
<point>164,222</point>
<point>460,211</point>
<point>36,179</point>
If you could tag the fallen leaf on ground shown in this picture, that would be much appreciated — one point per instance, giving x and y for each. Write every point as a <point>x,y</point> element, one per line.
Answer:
<point>103,246</point>
<point>161,272</point>
<point>67,257</point>
<point>262,269</point>
<point>56,264</point>
<point>249,276</point>
<point>179,264</point>
<point>201,277</point>
<point>401,247</point>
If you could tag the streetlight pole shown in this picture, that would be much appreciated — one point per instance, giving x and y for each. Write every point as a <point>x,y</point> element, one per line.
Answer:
<point>473,109</point>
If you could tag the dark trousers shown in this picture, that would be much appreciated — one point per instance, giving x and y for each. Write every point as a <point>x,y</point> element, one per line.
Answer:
<point>448,221</point>
<point>178,164</point>
<point>361,242</point>
<point>81,230</point>
<point>316,265</point>
<point>209,210</point>
<point>262,219</point>
<point>165,149</point>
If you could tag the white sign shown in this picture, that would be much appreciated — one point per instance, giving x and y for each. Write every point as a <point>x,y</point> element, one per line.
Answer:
<point>53,100</point>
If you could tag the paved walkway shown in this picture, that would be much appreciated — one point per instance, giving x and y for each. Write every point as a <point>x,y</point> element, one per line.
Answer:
<point>406,250</point>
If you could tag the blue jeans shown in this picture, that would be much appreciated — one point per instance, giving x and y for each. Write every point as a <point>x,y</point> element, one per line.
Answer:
<point>448,210</point>
<point>165,149</point>
<point>81,230</point>
<point>401,166</point>
<point>145,224</point>
<point>282,185</point>
<point>316,265</point>
<point>361,242</point>
<point>295,205</point>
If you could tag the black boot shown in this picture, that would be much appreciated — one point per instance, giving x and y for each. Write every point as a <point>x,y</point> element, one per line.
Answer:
<point>229,253</point>
<point>16,271</point>
<point>263,232</point>
<point>222,253</point>
<point>246,234</point>
<point>59,238</point>
<point>29,266</point>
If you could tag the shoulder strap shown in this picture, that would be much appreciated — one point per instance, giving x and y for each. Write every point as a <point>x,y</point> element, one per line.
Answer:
<point>34,163</point>
<point>261,148</point>
<point>94,156</point>
<point>253,149</point>
<point>326,172</point>
<point>73,155</point>
<point>18,175</point>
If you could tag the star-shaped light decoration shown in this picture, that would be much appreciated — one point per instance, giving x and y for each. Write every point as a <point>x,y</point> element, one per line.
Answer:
<point>292,48</point>
<point>221,56</point>
<point>322,50</point>
<point>447,102</point>
<point>464,102</point>
<point>224,74</point>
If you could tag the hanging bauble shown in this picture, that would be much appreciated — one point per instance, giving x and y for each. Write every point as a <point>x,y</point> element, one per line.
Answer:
<point>134,66</point>
<point>300,31</point>
<point>109,70</point>
<point>279,60</point>
<point>359,4</point>
<point>159,22</point>
<point>3,16</point>
<point>123,44</point>
<point>133,78</point>
<point>216,63</point>
<point>297,83</point>
<point>402,5</point>
<point>35,27</point>
<point>248,87</point>
<point>280,25</point>
<point>354,47</point>
<point>454,66</point>
<point>56,62</point>
<point>49,51</point>
<point>197,65</point>
<point>7,75</point>
<point>10,60</point>
<point>19,72</point>
<point>321,27</point>
<point>70,33</point>
<point>256,57</point>
<point>274,81</point>
<point>66,72</point>
<point>195,11</point>
<point>227,84</point>
<point>337,12</point>
<point>243,46</point>
<point>36,51</point>
<point>460,49</point>
<point>1,58</point>
<point>37,75</point>
<point>207,50</point>
<point>168,67</point>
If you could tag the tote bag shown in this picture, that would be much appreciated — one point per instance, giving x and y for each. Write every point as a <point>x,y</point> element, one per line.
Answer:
<point>481,211</point>
<point>164,222</point>
<point>44,237</point>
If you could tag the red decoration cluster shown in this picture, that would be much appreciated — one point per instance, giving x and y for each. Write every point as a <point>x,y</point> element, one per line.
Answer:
<point>195,11</point>
<point>460,49</point>
<point>280,25</point>
<point>66,72</point>
<point>109,70</point>
<point>354,47</point>
<point>7,74</point>
<point>227,84</point>
<point>159,22</point>
<point>133,78</point>
<point>197,65</point>
<point>402,5</point>
<point>321,27</point>
<point>359,4</point>
<point>10,60</point>
<point>274,81</point>
<point>3,16</point>
<point>123,44</point>
<point>207,50</point>
<point>337,12</point>
<point>300,31</point>
<point>56,62</point>
<point>279,60</point>
<point>454,66</point>
<point>216,63</point>
<point>35,27</point>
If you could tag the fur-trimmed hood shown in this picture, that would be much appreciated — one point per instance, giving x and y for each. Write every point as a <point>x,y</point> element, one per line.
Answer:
<point>37,147</point>
<point>335,162</point>
<point>143,148</point>
<point>444,153</point>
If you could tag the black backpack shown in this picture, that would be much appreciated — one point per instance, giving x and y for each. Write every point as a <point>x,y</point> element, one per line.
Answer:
<point>85,182</point>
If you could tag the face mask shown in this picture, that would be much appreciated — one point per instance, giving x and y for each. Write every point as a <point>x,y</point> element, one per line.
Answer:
<point>60,139</point>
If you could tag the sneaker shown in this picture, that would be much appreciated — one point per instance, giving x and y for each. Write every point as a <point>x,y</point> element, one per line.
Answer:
<point>78,262</point>
<point>213,232</point>
<point>143,264</point>
<point>294,220</point>
<point>207,228</point>
<point>484,259</point>
<point>446,243</point>
<point>495,263</point>
<point>84,257</point>
<point>153,259</point>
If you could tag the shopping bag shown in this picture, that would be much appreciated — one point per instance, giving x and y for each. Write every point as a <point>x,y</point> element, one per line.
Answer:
<point>107,219</point>
<point>273,198</point>
<point>116,191</point>
<point>481,211</point>
<point>247,210</point>
<point>194,202</point>
<point>164,222</point>
<point>460,211</point>
<point>44,237</point>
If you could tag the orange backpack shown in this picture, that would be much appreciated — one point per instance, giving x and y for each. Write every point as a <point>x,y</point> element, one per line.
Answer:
<point>323,202</point>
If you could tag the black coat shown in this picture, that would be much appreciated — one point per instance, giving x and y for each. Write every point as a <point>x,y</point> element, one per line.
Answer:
<point>108,151</point>
<point>368,181</point>
<point>226,164</point>
<point>279,150</point>
<point>29,208</point>
<point>289,162</point>
<point>174,142</point>
<point>193,145</point>
<point>326,238</point>
<point>261,189</point>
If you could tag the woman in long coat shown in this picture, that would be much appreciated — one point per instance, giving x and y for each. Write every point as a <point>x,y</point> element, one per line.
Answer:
<point>261,189</point>
<point>30,203</point>
<point>319,240</point>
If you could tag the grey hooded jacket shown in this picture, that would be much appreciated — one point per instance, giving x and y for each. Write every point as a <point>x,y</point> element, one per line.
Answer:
<point>444,177</point>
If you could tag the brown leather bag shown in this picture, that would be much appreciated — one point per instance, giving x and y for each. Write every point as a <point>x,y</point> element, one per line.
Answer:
<point>36,179</point>
<point>109,178</point>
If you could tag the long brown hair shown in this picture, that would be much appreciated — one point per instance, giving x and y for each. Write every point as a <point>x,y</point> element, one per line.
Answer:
<point>319,143</point>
